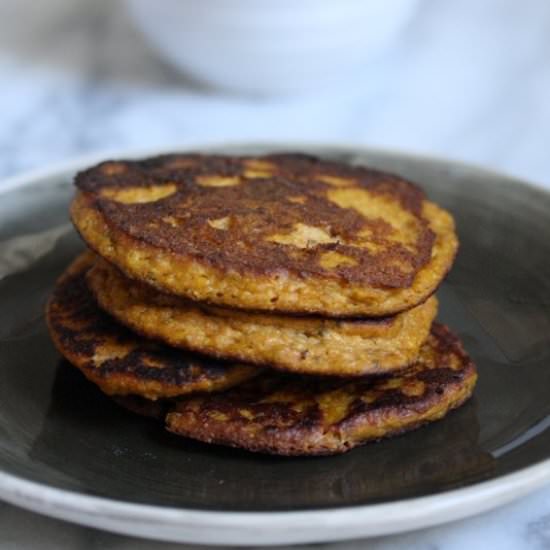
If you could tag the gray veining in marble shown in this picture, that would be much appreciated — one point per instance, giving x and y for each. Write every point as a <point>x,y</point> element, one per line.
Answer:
<point>468,80</point>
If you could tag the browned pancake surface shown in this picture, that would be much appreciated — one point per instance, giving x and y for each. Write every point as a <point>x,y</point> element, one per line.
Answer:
<point>117,360</point>
<point>301,234</point>
<point>293,415</point>
<point>255,210</point>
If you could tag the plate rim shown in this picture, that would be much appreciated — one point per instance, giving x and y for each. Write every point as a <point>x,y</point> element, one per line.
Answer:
<point>276,527</point>
<point>77,162</point>
<point>271,528</point>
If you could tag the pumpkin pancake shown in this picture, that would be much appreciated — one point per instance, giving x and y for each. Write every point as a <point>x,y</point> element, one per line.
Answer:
<point>298,415</point>
<point>311,345</point>
<point>120,362</point>
<point>283,233</point>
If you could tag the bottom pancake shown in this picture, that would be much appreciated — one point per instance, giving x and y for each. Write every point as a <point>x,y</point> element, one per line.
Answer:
<point>298,415</point>
<point>121,362</point>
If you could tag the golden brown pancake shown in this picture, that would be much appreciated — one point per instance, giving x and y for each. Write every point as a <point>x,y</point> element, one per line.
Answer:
<point>280,233</point>
<point>311,345</point>
<point>298,415</point>
<point>120,362</point>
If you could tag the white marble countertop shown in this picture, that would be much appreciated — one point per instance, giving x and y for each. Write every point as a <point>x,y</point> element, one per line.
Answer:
<point>468,80</point>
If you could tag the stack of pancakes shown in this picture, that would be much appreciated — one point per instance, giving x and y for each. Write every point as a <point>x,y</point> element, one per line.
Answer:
<point>282,303</point>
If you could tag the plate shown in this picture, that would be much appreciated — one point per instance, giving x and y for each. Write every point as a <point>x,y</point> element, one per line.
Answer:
<point>67,451</point>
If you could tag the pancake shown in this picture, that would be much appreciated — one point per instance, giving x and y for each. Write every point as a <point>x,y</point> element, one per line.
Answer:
<point>120,362</point>
<point>297,415</point>
<point>311,345</point>
<point>282,233</point>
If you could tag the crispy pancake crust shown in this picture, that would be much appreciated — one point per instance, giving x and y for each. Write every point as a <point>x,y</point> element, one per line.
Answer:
<point>295,415</point>
<point>120,362</point>
<point>310,345</point>
<point>284,233</point>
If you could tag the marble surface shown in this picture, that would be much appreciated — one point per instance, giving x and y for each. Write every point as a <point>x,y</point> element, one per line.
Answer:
<point>468,80</point>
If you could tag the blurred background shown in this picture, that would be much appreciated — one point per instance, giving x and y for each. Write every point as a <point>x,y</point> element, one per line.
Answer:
<point>463,79</point>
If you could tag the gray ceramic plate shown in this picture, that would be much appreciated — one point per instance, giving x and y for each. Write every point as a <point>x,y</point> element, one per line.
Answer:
<point>67,451</point>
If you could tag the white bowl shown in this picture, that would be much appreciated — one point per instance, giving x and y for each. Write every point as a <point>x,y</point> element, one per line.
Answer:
<point>271,46</point>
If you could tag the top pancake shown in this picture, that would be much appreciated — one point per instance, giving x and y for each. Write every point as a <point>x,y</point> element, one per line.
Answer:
<point>285,233</point>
